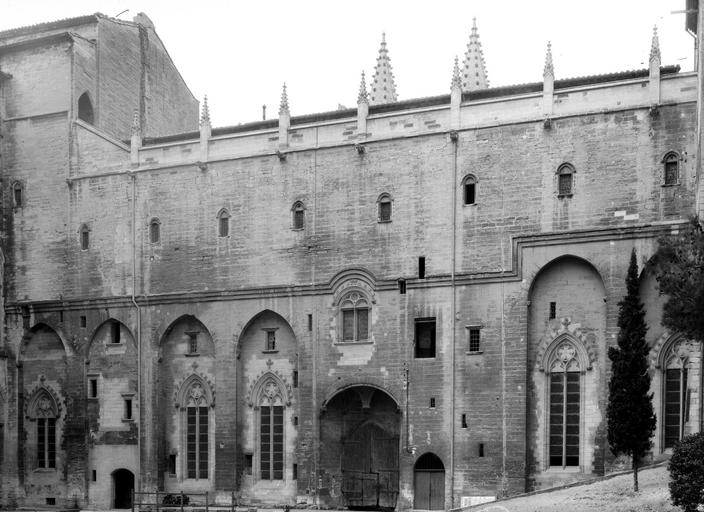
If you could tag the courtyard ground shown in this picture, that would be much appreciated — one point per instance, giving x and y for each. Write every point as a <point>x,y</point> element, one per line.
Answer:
<point>610,495</point>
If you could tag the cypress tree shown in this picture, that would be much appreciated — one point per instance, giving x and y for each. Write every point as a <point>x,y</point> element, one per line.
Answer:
<point>631,420</point>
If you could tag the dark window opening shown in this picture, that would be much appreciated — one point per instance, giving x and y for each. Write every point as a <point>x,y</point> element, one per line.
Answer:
<point>85,108</point>
<point>128,408</point>
<point>402,286</point>
<point>272,442</point>
<point>675,405</point>
<point>432,402</point>
<point>17,195</point>
<point>474,339</point>
<point>154,232</point>
<point>172,464</point>
<point>421,267</point>
<point>553,310</point>
<point>248,464</point>
<point>310,322</point>
<point>565,181</point>
<point>61,317</point>
<point>295,378</point>
<point>270,340</point>
<point>295,421</point>
<point>192,342</point>
<point>481,449</point>
<point>224,224</point>
<point>464,421</point>
<point>294,474</point>
<point>115,332</point>
<point>83,321</point>
<point>425,338</point>
<point>94,476</point>
<point>85,238</point>
<point>197,442</point>
<point>564,419</point>
<point>299,216</point>
<point>46,442</point>
<point>385,209</point>
<point>671,169</point>
<point>50,501</point>
<point>470,191</point>
<point>93,388</point>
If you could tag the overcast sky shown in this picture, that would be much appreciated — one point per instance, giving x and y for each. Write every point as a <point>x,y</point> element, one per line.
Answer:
<point>240,52</point>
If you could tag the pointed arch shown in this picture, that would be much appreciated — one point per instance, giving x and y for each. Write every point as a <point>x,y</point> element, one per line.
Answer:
<point>269,389</point>
<point>181,319</point>
<point>37,330</point>
<point>384,207</point>
<point>154,230</point>
<point>564,257</point>
<point>84,236</point>
<point>671,168</point>
<point>298,215</point>
<point>118,332</point>
<point>565,354</point>
<point>469,189</point>
<point>259,315</point>
<point>85,108</point>
<point>195,391</point>
<point>223,218</point>
<point>42,404</point>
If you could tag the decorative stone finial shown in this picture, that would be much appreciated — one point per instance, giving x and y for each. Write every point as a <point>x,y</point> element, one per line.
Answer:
<point>283,109</point>
<point>655,45</point>
<point>363,95</point>
<point>205,112</point>
<point>383,84</point>
<point>456,78</point>
<point>474,75</point>
<point>136,125</point>
<point>549,70</point>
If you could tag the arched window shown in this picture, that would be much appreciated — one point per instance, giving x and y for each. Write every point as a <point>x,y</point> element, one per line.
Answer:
<point>469,189</point>
<point>671,168</point>
<point>84,234</point>
<point>299,215</point>
<point>384,203</point>
<point>85,108</point>
<point>18,194</point>
<point>196,401</point>
<point>565,180</point>
<point>271,401</point>
<point>564,381</point>
<point>223,223</point>
<point>43,409</point>
<point>675,397</point>
<point>354,310</point>
<point>154,231</point>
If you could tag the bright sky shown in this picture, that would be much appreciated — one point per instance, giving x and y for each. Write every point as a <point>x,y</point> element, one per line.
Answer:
<point>240,52</point>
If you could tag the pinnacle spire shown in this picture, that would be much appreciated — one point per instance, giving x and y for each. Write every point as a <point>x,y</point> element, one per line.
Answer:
<point>383,85</point>
<point>283,108</point>
<point>205,112</point>
<point>363,94</point>
<point>456,78</point>
<point>655,45</point>
<point>474,75</point>
<point>549,70</point>
<point>136,125</point>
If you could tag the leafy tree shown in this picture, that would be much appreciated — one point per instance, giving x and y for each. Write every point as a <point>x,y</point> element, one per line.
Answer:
<point>631,420</point>
<point>687,472</point>
<point>679,263</point>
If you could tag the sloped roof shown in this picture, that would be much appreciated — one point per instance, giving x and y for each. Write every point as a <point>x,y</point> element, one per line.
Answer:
<point>50,25</point>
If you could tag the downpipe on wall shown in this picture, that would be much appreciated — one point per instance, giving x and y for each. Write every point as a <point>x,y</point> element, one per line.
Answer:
<point>454,137</point>
<point>139,330</point>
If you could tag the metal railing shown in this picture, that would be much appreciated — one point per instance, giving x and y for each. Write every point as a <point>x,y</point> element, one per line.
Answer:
<point>161,501</point>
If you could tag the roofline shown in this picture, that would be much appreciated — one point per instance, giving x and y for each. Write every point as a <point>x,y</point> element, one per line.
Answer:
<point>50,25</point>
<point>38,41</point>
<point>430,101</point>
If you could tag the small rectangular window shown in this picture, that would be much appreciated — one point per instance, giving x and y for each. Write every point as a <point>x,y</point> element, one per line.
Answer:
<point>469,193</point>
<point>565,184</point>
<point>295,421</point>
<point>270,340</point>
<point>94,476</point>
<point>61,317</point>
<point>553,310</point>
<point>83,321</point>
<point>421,267</point>
<point>310,322</point>
<point>481,449</point>
<point>115,332</point>
<point>294,473</point>
<point>295,378</point>
<point>85,239</point>
<point>224,226</point>
<point>474,339</point>
<point>385,211</point>
<point>192,342</point>
<point>172,464</point>
<point>93,387</point>
<point>432,402</point>
<point>671,171</point>
<point>50,501</point>
<point>248,464</point>
<point>425,337</point>
<point>18,195</point>
<point>464,421</point>
<point>128,408</point>
<point>402,286</point>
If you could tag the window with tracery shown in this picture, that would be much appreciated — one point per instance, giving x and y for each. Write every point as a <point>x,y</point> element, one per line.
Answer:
<point>564,409</point>
<point>44,411</point>
<point>299,215</point>
<point>271,431</point>
<point>197,439</point>
<point>671,169</point>
<point>565,180</point>
<point>675,397</point>
<point>354,309</point>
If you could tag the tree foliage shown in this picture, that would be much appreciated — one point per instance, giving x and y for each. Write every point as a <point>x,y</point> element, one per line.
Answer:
<point>687,472</point>
<point>631,420</point>
<point>679,264</point>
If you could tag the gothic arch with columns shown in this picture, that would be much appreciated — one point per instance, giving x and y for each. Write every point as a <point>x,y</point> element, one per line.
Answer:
<point>195,391</point>
<point>270,388</point>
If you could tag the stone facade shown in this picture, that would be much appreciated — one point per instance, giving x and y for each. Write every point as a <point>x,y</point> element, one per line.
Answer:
<point>347,308</point>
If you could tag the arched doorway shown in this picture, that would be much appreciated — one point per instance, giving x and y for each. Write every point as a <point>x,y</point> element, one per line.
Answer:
<point>360,437</point>
<point>429,483</point>
<point>123,485</point>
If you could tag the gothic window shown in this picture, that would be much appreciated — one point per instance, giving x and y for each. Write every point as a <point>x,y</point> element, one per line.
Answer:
<point>85,108</point>
<point>675,398</point>
<point>299,215</point>
<point>44,411</point>
<point>564,409</point>
<point>154,231</point>
<point>197,411</point>
<point>565,180</point>
<point>384,204</point>
<point>18,194</point>
<point>671,169</point>
<point>469,190</point>
<point>84,234</point>
<point>354,309</point>
<point>271,430</point>
<point>223,223</point>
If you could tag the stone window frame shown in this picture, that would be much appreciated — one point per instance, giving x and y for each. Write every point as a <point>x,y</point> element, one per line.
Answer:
<point>565,169</point>
<point>548,365</point>
<point>154,229</point>
<point>187,396</point>
<point>269,388</point>
<point>267,331</point>
<point>470,179</point>
<point>354,297</point>
<point>668,158</point>
<point>84,236</point>
<point>223,223</point>
<point>384,199</point>
<point>18,188</point>
<point>298,216</point>
<point>81,113</point>
<point>470,328</point>
<point>41,406</point>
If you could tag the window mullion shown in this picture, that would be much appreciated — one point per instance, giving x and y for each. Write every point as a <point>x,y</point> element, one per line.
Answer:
<point>682,399</point>
<point>564,419</point>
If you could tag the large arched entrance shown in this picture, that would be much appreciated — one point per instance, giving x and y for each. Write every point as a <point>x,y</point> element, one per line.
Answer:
<point>429,483</point>
<point>360,446</point>
<point>123,485</point>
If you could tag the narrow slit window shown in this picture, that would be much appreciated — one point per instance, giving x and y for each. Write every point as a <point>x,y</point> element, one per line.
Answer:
<point>115,332</point>
<point>464,421</point>
<point>299,215</point>
<point>223,223</point>
<point>469,190</point>
<point>384,208</point>
<point>295,378</point>
<point>432,402</point>
<point>93,387</point>
<point>402,286</point>
<point>85,237</point>
<point>553,310</point>
<point>421,267</point>
<point>310,322</point>
<point>154,231</point>
<point>128,409</point>
<point>671,162</point>
<point>481,449</point>
<point>17,195</point>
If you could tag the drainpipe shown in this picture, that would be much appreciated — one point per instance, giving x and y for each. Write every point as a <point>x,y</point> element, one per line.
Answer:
<point>454,137</point>
<point>139,330</point>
